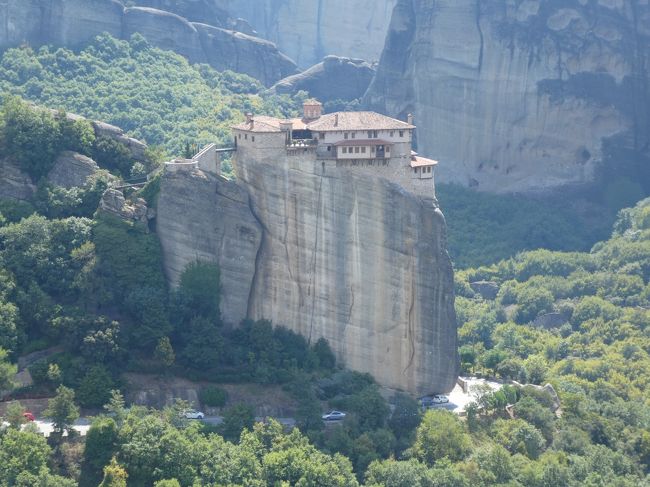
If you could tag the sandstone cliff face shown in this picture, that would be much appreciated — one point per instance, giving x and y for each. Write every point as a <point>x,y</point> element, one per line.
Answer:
<point>521,95</point>
<point>309,30</point>
<point>358,261</point>
<point>351,258</point>
<point>72,23</point>
<point>200,217</point>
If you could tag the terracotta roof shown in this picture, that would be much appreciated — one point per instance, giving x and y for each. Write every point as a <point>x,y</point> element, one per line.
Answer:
<point>417,161</point>
<point>312,101</point>
<point>342,121</point>
<point>264,124</point>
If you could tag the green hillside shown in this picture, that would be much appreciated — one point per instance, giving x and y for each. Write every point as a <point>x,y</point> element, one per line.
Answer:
<point>155,95</point>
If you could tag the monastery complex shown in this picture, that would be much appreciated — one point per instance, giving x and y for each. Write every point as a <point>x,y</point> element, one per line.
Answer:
<point>363,142</point>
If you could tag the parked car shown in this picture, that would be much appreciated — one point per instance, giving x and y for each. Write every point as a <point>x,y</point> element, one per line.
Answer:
<point>194,414</point>
<point>439,399</point>
<point>29,416</point>
<point>334,416</point>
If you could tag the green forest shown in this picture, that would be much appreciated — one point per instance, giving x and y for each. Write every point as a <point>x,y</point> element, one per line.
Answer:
<point>89,287</point>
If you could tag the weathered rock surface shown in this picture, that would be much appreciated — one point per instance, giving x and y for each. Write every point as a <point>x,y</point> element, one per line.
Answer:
<point>309,30</point>
<point>200,217</point>
<point>72,169</point>
<point>102,129</point>
<point>521,96</point>
<point>14,183</point>
<point>351,258</point>
<point>73,23</point>
<point>113,202</point>
<point>335,78</point>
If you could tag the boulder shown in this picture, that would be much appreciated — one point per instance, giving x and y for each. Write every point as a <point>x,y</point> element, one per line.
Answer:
<point>72,169</point>
<point>487,289</point>
<point>335,78</point>
<point>138,148</point>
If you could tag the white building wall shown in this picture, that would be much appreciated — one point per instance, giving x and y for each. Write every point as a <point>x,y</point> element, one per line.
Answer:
<point>387,135</point>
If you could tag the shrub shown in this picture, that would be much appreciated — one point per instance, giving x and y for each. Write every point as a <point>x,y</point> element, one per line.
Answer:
<point>213,396</point>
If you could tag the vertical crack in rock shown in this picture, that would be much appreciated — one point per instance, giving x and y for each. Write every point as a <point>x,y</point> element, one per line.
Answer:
<point>480,33</point>
<point>258,256</point>
<point>410,331</point>
<point>313,259</point>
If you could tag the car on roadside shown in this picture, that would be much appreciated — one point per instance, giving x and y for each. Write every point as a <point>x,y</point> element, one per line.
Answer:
<point>193,414</point>
<point>439,399</point>
<point>334,416</point>
<point>29,416</point>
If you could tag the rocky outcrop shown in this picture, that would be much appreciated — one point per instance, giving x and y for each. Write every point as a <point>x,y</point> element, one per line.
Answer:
<point>73,23</point>
<point>72,169</point>
<point>135,210</point>
<point>335,78</point>
<point>521,96</point>
<point>307,31</point>
<point>351,258</point>
<point>14,183</point>
<point>201,217</point>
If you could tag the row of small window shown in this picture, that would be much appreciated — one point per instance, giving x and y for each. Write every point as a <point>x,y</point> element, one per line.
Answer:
<point>246,137</point>
<point>424,170</point>
<point>362,150</point>
<point>372,134</point>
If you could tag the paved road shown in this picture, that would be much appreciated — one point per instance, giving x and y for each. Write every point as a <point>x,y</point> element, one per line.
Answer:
<point>83,424</point>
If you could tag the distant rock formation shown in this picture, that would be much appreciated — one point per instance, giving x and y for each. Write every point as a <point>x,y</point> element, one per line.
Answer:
<point>307,31</point>
<point>352,258</point>
<point>522,96</point>
<point>72,23</point>
<point>335,78</point>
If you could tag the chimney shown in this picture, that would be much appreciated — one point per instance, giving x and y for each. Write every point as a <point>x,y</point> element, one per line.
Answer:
<point>336,119</point>
<point>249,117</point>
<point>409,118</point>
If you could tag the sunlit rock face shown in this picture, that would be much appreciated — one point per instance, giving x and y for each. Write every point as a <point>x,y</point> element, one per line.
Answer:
<point>309,30</point>
<point>522,96</point>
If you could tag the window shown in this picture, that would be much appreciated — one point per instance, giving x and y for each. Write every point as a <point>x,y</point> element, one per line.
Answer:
<point>354,134</point>
<point>428,169</point>
<point>372,149</point>
<point>345,150</point>
<point>392,134</point>
<point>375,134</point>
<point>253,138</point>
<point>356,150</point>
<point>363,150</point>
<point>370,134</point>
<point>387,148</point>
<point>415,170</point>
<point>345,135</point>
<point>246,136</point>
<point>401,133</point>
<point>322,135</point>
<point>239,136</point>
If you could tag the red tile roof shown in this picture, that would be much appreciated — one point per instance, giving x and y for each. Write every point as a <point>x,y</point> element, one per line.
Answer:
<point>343,121</point>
